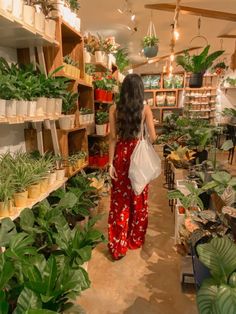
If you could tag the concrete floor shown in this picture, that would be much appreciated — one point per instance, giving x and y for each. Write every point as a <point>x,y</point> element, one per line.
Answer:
<point>147,280</point>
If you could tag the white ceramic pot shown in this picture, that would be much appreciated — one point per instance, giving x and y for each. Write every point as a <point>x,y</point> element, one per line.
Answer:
<point>41,106</point>
<point>40,22</point>
<point>50,28</point>
<point>21,108</point>
<point>29,14</point>
<point>66,14</point>
<point>6,5</point>
<point>87,56</point>
<point>77,23</point>
<point>10,108</point>
<point>101,129</point>
<point>52,178</point>
<point>2,108</point>
<point>17,10</point>
<point>32,108</point>
<point>91,119</point>
<point>67,122</point>
<point>50,106</point>
<point>58,106</point>
<point>99,56</point>
<point>73,19</point>
<point>60,174</point>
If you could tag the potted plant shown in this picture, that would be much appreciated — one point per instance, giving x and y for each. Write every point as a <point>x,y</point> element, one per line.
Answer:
<point>6,195</point>
<point>231,114</point>
<point>216,294</point>
<point>60,169</point>
<point>100,92</point>
<point>181,157</point>
<point>198,64</point>
<point>122,60</point>
<point>29,12</point>
<point>150,46</point>
<point>89,71</point>
<point>69,105</point>
<point>44,19</point>
<point>101,120</point>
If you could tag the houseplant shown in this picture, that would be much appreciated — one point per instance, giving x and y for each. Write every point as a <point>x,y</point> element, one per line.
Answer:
<point>69,106</point>
<point>217,294</point>
<point>122,60</point>
<point>99,84</point>
<point>231,114</point>
<point>197,64</point>
<point>150,46</point>
<point>101,120</point>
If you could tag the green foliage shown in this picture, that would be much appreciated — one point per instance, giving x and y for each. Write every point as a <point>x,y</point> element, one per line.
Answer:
<point>198,63</point>
<point>90,68</point>
<point>69,102</point>
<point>67,59</point>
<point>218,294</point>
<point>220,181</point>
<point>122,60</point>
<point>74,5</point>
<point>101,117</point>
<point>229,112</point>
<point>149,41</point>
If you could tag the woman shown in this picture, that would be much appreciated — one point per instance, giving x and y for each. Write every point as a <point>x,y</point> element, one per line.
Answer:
<point>128,216</point>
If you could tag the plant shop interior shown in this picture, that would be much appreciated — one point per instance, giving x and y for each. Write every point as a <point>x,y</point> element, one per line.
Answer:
<point>62,63</point>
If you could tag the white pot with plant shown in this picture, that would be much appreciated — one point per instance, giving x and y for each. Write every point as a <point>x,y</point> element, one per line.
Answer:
<point>41,106</point>
<point>6,5</point>
<point>40,22</point>
<point>50,28</point>
<point>11,108</point>
<point>6,195</point>
<point>29,13</point>
<point>17,10</point>
<point>101,119</point>
<point>2,108</point>
<point>77,23</point>
<point>69,105</point>
<point>32,108</point>
<point>20,108</point>
<point>50,106</point>
<point>58,106</point>
<point>60,169</point>
<point>52,178</point>
<point>99,56</point>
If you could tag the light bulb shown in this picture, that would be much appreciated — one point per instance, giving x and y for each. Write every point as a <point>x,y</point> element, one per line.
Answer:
<point>133,16</point>
<point>129,28</point>
<point>172,57</point>
<point>120,11</point>
<point>171,68</point>
<point>176,34</point>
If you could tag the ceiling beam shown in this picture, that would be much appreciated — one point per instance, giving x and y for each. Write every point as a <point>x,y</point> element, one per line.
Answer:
<point>227,36</point>
<point>219,15</point>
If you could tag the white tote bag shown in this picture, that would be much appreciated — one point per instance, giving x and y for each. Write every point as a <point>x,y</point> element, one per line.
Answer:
<point>145,164</point>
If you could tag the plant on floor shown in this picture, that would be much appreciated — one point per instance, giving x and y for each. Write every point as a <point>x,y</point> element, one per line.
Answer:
<point>122,60</point>
<point>217,294</point>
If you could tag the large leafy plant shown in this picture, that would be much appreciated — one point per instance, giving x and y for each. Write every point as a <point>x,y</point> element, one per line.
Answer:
<point>122,60</point>
<point>198,63</point>
<point>218,293</point>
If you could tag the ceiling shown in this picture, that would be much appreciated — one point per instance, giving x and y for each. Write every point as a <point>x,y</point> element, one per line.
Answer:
<point>107,21</point>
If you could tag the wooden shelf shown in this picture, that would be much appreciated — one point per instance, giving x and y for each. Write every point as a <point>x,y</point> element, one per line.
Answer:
<point>96,135</point>
<point>72,130</point>
<point>100,67</point>
<point>16,34</point>
<point>78,170</point>
<point>69,34</point>
<point>104,102</point>
<point>198,110</point>
<point>162,90</point>
<point>200,88</point>
<point>74,79</point>
<point>32,202</point>
<point>21,120</point>
<point>164,107</point>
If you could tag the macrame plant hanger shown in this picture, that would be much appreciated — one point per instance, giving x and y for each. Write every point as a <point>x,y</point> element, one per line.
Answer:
<point>151,51</point>
<point>198,36</point>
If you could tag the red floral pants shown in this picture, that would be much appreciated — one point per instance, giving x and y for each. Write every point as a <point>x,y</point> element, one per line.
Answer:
<point>128,216</point>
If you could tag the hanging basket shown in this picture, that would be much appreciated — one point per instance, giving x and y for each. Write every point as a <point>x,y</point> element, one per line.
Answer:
<point>150,52</point>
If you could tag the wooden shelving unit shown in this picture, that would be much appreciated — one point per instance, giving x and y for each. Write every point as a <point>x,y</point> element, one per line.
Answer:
<point>42,196</point>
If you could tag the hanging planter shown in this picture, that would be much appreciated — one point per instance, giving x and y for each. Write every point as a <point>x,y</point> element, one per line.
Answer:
<point>150,42</point>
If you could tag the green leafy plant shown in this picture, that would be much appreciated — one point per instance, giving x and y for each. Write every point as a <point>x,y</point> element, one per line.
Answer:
<point>90,69</point>
<point>229,112</point>
<point>74,5</point>
<point>198,63</point>
<point>122,60</point>
<point>46,6</point>
<point>69,101</point>
<point>150,41</point>
<point>68,60</point>
<point>101,117</point>
<point>217,294</point>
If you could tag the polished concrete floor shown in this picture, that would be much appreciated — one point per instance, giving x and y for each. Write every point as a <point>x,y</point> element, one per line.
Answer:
<point>147,280</point>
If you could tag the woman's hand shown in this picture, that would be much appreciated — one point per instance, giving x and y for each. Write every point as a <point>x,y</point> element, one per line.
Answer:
<point>112,172</point>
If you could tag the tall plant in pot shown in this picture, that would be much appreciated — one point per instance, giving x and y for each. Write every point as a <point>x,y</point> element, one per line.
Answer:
<point>150,46</point>
<point>198,64</point>
<point>69,107</point>
<point>101,120</point>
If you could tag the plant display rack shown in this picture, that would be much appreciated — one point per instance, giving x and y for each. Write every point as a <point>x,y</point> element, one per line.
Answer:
<point>200,102</point>
<point>31,202</point>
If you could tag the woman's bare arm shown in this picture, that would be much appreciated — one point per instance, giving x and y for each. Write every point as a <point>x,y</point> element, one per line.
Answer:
<point>150,123</point>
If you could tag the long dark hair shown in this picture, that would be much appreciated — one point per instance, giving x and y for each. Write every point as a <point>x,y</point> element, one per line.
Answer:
<point>130,107</point>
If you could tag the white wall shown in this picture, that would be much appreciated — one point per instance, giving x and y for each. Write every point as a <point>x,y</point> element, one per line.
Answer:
<point>11,136</point>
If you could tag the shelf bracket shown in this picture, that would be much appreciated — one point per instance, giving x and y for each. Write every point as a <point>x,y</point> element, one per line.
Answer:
<point>55,143</point>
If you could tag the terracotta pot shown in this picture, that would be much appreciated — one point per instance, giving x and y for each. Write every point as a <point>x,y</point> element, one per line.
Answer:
<point>52,178</point>
<point>44,185</point>
<point>60,173</point>
<point>20,199</point>
<point>4,209</point>
<point>34,191</point>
